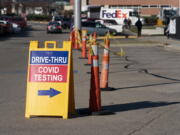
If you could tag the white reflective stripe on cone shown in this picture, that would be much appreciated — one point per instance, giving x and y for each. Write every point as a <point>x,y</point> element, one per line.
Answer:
<point>106,51</point>
<point>84,39</point>
<point>105,66</point>
<point>95,63</point>
<point>95,50</point>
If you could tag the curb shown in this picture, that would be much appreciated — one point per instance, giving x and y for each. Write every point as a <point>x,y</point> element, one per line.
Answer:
<point>118,37</point>
<point>173,47</point>
<point>136,45</point>
<point>41,22</point>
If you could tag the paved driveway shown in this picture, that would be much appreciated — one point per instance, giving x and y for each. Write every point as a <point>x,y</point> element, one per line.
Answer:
<point>145,102</point>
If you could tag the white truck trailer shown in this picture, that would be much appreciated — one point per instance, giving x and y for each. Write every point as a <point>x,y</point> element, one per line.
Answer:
<point>119,15</point>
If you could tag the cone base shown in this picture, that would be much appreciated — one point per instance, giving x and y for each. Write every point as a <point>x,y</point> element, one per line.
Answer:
<point>108,89</point>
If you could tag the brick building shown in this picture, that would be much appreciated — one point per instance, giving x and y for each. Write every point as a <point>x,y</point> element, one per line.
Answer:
<point>146,7</point>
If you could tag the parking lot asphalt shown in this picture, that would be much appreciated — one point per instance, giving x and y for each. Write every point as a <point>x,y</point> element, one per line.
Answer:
<point>146,41</point>
<point>145,102</point>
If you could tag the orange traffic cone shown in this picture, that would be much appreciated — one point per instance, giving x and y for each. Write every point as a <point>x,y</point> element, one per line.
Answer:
<point>95,97</point>
<point>76,36</point>
<point>105,67</point>
<point>84,39</point>
<point>95,93</point>
<point>89,51</point>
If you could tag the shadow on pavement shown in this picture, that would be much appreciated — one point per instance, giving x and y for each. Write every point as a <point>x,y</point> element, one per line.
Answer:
<point>148,85</point>
<point>83,112</point>
<point>137,106</point>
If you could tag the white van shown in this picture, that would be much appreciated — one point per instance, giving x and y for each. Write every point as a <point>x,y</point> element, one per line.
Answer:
<point>112,24</point>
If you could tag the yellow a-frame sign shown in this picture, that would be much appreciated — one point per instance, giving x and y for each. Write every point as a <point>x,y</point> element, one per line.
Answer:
<point>50,84</point>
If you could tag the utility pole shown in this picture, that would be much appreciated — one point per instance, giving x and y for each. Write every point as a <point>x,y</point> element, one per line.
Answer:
<point>77,14</point>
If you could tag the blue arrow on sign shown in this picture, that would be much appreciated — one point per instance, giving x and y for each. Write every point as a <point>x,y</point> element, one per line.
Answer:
<point>51,93</point>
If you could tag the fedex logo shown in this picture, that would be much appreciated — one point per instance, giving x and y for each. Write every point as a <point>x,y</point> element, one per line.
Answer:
<point>114,14</point>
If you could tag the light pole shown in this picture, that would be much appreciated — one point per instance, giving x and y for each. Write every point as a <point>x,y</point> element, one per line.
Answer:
<point>77,14</point>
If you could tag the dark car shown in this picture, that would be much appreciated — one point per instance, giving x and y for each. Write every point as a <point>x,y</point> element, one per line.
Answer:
<point>6,18</point>
<point>97,27</point>
<point>54,27</point>
<point>20,21</point>
<point>64,21</point>
<point>2,29</point>
<point>15,19</point>
<point>6,27</point>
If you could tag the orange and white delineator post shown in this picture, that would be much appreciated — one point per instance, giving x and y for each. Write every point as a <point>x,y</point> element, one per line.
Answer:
<point>89,50</point>
<point>76,36</point>
<point>95,96</point>
<point>84,40</point>
<point>105,65</point>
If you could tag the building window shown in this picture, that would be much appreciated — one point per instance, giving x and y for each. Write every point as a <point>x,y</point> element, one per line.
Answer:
<point>154,6</point>
<point>124,6</point>
<point>145,6</point>
<point>165,6</point>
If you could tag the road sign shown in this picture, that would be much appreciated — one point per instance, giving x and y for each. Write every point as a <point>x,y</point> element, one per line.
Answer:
<point>48,66</point>
<point>50,89</point>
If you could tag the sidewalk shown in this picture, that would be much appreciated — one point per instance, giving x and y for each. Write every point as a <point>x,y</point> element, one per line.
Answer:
<point>155,38</point>
<point>157,31</point>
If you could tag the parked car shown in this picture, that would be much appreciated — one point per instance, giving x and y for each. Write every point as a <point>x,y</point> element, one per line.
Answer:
<point>97,27</point>
<point>1,30</point>
<point>6,18</point>
<point>54,27</point>
<point>64,21</point>
<point>20,21</point>
<point>15,19</point>
<point>16,28</point>
<point>112,24</point>
<point>6,26</point>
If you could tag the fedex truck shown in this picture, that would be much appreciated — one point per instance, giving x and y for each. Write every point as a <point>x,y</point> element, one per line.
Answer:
<point>119,15</point>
